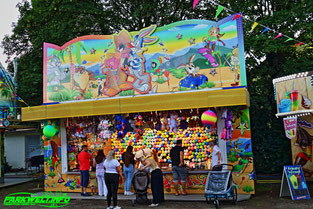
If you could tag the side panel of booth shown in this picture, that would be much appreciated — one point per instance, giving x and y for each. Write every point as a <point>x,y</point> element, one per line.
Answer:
<point>301,145</point>
<point>239,150</point>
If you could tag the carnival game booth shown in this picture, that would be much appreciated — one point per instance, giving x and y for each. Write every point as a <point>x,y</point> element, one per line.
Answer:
<point>148,89</point>
<point>294,96</point>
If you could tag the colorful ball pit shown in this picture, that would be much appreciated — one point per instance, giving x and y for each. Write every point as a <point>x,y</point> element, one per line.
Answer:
<point>195,141</point>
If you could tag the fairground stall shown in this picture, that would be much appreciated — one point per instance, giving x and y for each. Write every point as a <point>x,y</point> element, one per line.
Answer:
<point>294,96</point>
<point>148,89</point>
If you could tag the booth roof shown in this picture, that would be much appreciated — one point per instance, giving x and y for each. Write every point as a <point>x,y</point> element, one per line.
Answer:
<point>148,103</point>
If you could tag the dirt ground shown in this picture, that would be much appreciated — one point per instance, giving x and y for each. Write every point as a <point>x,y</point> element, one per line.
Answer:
<point>267,196</point>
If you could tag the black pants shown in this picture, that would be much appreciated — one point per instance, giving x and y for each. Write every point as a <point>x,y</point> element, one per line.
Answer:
<point>157,186</point>
<point>111,181</point>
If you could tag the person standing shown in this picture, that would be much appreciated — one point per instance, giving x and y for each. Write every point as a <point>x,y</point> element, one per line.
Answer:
<point>112,174</point>
<point>216,156</point>
<point>84,166</point>
<point>98,163</point>
<point>157,186</point>
<point>128,169</point>
<point>178,167</point>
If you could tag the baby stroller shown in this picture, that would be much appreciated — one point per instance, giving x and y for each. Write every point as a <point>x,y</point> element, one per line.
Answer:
<point>220,184</point>
<point>141,182</point>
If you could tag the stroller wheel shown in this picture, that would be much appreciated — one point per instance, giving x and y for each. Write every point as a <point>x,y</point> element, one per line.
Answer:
<point>208,199</point>
<point>216,203</point>
<point>235,196</point>
<point>133,203</point>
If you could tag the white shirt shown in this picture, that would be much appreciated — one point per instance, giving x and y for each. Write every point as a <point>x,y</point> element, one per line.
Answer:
<point>111,165</point>
<point>216,149</point>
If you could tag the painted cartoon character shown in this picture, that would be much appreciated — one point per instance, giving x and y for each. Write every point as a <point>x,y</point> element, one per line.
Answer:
<point>155,68</point>
<point>136,67</point>
<point>210,43</point>
<point>100,82</point>
<point>58,74</point>
<point>116,80</point>
<point>113,66</point>
<point>234,63</point>
<point>193,79</point>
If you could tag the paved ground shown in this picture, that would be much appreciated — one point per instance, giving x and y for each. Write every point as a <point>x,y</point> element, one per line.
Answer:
<point>14,181</point>
<point>267,197</point>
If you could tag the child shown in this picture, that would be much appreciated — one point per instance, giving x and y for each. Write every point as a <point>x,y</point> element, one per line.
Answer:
<point>93,181</point>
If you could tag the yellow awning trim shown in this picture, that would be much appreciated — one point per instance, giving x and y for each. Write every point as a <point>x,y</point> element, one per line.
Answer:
<point>174,101</point>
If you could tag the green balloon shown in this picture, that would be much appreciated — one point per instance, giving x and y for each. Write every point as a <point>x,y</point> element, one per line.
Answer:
<point>49,131</point>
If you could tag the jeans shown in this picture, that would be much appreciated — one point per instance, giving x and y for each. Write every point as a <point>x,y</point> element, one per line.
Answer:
<point>102,188</point>
<point>111,181</point>
<point>179,172</point>
<point>84,178</point>
<point>128,173</point>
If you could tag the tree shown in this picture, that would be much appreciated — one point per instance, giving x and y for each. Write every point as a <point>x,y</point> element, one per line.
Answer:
<point>53,21</point>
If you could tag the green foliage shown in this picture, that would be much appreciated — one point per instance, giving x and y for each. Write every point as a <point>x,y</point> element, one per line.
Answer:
<point>177,73</point>
<point>160,80</point>
<point>88,94</point>
<point>65,95</point>
<point>208,84</point>
<point>127,92</point>
<point>247,189</point>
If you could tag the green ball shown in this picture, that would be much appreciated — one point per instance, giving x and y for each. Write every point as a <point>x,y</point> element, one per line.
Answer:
<point>49,131</point>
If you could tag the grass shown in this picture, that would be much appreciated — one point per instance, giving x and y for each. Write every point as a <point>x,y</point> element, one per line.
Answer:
<point>160,80</point>
<point>208,84</point>
<point>127,93</point>
<point>64,95</point>
<point>248,189</point>
<point>177,73</point>
<point>183,89</point>
<point>88,94</point>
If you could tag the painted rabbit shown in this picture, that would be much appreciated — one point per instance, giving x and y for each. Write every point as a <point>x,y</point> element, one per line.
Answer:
<point>136,61</point>
<point>191,69</point>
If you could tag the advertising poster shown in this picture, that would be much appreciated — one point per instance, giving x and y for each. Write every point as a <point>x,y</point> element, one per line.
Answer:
<point>290,125</point>
<point>296,183</point>
<point>293,95</point>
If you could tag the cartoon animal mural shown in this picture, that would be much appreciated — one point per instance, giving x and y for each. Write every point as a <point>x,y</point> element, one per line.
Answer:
<point>193,79</point>
<point>239,150</point>
<point>181,56</point>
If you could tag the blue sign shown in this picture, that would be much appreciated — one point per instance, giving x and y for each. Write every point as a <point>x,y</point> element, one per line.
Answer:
<point>296,182</point>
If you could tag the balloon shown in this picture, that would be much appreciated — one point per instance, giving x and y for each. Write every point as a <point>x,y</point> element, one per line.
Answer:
<point>49,131</point>
<point>208,118</point>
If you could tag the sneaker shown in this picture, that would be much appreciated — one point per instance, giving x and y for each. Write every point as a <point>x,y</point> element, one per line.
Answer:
<point>86,195</point>
<point>125,193</point>
<point>111,207</point>
<point>117,207</point>
<point>130,193</point>
<point>154,205</point>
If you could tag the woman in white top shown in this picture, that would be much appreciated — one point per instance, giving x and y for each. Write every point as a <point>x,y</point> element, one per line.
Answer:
<point>98,163</point>
<point>112,174</point>
<point>156,178</point>
<point>216,156</point>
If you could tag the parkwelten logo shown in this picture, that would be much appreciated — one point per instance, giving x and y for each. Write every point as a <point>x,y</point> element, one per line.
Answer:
<point>48,199</point>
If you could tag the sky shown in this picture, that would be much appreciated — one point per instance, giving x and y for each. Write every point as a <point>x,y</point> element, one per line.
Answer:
<point>8,14</point>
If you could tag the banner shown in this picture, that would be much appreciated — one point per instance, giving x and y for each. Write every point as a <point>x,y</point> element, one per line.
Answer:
<point>187,55</point>
<point>290,125</point>
<point>293,176</point>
